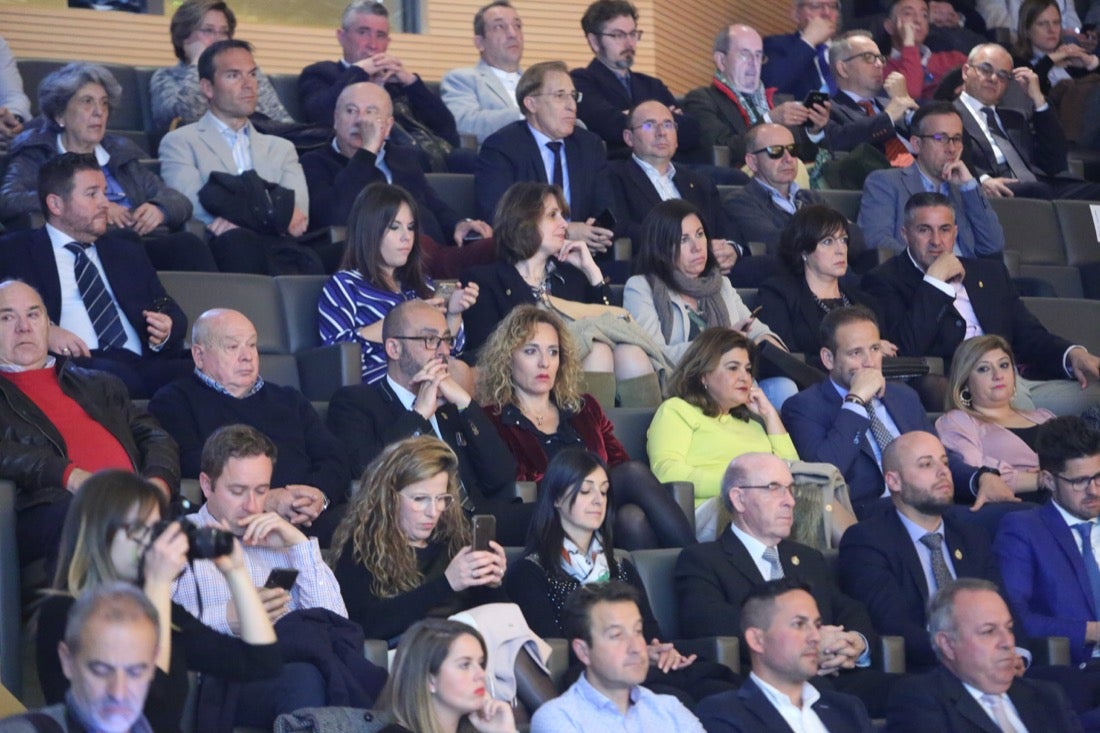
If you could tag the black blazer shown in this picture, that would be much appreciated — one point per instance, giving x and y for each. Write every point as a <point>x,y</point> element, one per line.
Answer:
<point>511,154</point>
<point>851,126</point>
<point>937,701</point>
<point>922,320</point>
<point>748,710</point>
<point>723,123</point>
<point>713,579</point>
<point>879,566</point>
<point>28,256</point>
<point>1040,142</point>
<point>635,196</point>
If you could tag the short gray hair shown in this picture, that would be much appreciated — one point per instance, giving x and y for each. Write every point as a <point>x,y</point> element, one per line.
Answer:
<point>941,608</point>
<point>362,7</point>
<point>117,601</point>
<point>841,48</point>
<point>55,91</point>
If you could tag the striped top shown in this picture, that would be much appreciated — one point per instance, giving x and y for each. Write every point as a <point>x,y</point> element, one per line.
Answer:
<point>348,302</point>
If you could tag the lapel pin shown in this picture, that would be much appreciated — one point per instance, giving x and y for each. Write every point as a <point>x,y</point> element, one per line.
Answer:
<point>981,284</point>
<point>794,559</point>
<point>958,555</point>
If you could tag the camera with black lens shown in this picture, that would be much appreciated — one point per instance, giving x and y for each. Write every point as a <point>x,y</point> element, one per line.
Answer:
<point>203,543</point>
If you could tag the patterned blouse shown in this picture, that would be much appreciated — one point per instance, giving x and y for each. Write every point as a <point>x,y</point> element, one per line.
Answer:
<point>175,93</point>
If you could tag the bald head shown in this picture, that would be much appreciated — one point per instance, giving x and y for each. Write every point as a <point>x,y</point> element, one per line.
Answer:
<point>24,326</point>
<point>651,133</point>
<point>362,118</point>
<point>224,347</point>
<point>918,477</point>
<point>981,73</point>
<point>406,354</point>
<point>756,488</point>
<point>739,57</point>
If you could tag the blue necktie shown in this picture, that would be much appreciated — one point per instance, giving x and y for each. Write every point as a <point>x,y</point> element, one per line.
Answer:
<point>823,68</point>
<point>101,308</point>
<point>559,174</point>
<point>1092,570</point>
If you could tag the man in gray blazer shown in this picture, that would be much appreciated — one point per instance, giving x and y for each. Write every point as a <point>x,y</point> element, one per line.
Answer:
<point>223,140</point>
<point>483,98</point>
<point>937,142</point>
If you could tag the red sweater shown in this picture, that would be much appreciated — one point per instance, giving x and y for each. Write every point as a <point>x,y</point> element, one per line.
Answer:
<point>919,80</point>
<point>87,443</point>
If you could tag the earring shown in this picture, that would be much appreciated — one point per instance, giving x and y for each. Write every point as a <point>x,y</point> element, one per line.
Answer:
<point>964,396</point>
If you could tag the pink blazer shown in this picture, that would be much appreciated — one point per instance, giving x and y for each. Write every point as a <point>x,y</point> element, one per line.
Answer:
<point>982,443</point>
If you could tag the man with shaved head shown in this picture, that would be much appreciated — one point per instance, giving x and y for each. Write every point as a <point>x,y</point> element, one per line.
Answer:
<point>420,397</point>
<point>225,389</point>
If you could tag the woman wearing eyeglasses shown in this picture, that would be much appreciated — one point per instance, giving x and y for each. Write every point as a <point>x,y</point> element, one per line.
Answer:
<point>982,425</point>
<point>108,536</point>
<point>383,266</point>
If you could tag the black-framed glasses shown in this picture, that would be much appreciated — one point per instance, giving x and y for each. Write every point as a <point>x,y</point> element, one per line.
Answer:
<point>138,531</point>
<point>773,488</point>
<point>561,96</point>
<point>1080,483</point>
<point>775,152</point>
<point>654,125</point>
<point>621,36</point>
<point>869,57</point>
<point>943,138</point>
<point>431,342</point>
<point>989,71</point>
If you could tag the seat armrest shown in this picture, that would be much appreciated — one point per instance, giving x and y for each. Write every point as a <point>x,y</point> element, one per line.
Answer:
<point>726,650</point>
<point>525,491</point>
<point>721,156</point>
<point>683,493</point>
<point>622,249</point>
<point>890,655</point>
<point>758,249</point>
<point>559,660</point>
<point>1049,650</point>
<point>377,652</point>
<point>324,369</point>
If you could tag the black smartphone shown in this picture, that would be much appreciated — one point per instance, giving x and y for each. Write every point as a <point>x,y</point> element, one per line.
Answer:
<point>282,578</point>
<point>445,289</point>
<point>606,219</point>
<point>815,97</point>
<point>161,304</point>
<point>472,236</point>
<point>485,530</point>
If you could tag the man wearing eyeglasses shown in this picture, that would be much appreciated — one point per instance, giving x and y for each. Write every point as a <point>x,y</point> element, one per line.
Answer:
<point>547,147</point>
<point>797,62</point>
<point>714,578</point>
<point>611,88</point>
<point>1009,154</point>
<point>736,98</point>
<point>1048,555</point>
<point>420,397</point>
<point>226,388</point>
<point>937,143</point>
<point>922,68</point>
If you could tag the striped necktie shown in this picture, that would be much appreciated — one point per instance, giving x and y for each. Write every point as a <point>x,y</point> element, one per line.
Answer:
<point>98,302</point>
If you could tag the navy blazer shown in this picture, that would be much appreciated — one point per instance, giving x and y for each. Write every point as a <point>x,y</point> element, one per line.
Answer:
<point>28,256</point>
<point>882,212</point>
<point>1041,141</point>
<point>320,84</point>
<point>1044,577</point>
<point>335,182</point>
<point>879,567</point>
<point>823,431</point>
<point>635,196</point>
<point>849,125</point>
<point>937,701</point>
<point>723,123</point>
<point>511,154</point>
<point>922,319</point>
<point>605,100</point>
<point>713,579</point>
<point>748,710</point>
<point>791,68</point>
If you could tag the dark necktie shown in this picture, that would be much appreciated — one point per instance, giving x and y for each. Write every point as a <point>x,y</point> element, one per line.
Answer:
<point>751,108</point>
<point>1013,158</point>
<point>101,308</point>
<point>940,572</point>
<point>896,152</point>
<point>1092,570</point>
<point>559,174</point>
<point>624,79</point>
<point>879,430</point>
<point>822,58</point>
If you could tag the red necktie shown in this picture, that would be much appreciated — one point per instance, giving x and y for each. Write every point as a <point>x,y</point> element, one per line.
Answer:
<point>896,152</point>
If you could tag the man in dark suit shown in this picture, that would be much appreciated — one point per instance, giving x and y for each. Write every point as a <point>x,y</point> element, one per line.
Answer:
<point>610,88</point>
<point>419,397</point>
<point>860,113</point>
<point>1010,154</point>
<point>976,688</point>
<point>779,622</point>
<point>714,578</point>
<point>930,300</point>
<point>887,563</point>
<point>736,99</point>
<point>936,139</point>
<point>849,419</point>
<point>364,36</point>
<point>546,147</point>
<point>102,294</point>
<point>1049,572</point>
<point>796,61</point>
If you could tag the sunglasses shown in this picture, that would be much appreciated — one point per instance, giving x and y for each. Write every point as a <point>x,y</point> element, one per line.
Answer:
<point>775,152</point>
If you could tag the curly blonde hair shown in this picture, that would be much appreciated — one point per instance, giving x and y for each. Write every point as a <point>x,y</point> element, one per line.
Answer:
<point>494,372</point>
<point>372,526</point>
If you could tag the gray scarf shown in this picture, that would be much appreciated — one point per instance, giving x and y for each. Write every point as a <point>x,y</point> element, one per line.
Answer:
<point>707,289</point>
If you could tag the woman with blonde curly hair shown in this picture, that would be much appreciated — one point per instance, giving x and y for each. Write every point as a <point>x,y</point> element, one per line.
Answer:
<point>402,551</point>
<point>528,378</point>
